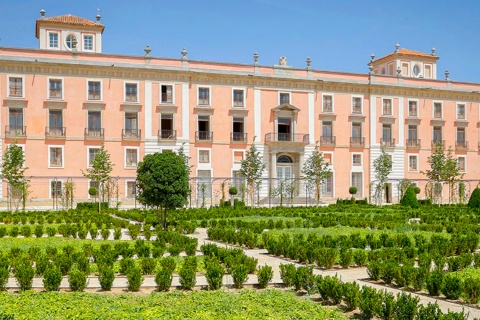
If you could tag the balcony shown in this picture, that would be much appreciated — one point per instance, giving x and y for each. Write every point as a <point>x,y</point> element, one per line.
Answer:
<point>295,138</point>
<point>167,135</point>
<point>238,137</point>
<point>327,141</point>
<point>55,132</point>
<point>94,134</point>
<point>131,134</point>
<point>15,131</point>
<point>387,142</point>
<point>413,144</point>
<point>204,136</point>
<point>167,98</point>
<point>435,142</point>
<point>358,142</point>
<point>327,107</point>
<point>238,103</point>
<point>461,145</point>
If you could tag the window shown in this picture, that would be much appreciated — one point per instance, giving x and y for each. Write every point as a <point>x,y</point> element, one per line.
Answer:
<point>55,89</point>
<point>356,105</point>
<point>437,134</point>
<point>238,98</point>
<point>204,96</point>
<point>327,104</point>
<point>15,87</point>
<point>95,123</point>
<point>55,189</point>
<point>461,112</point>
<point>204,156</point>
<point>131,124</point>
<point>71,41</point>
<point>238,129</point>
<point>237,156</point>
<point>55,157</point>
<point>327,132</point>
<point>356,130</point>
<point>405,69</point>
<point>387,107</point>
<point>204,184</point>
<point>166,126</point>
<point>131,190</point>
<point>387,132</point>
<point>94,90</point>
<point>327,186</point>
<point>238,180</point>
<point>91,155</point>
<point>131,157</point>
<point>131,92</point>
<point>55,122</point>
<point>357,181</point>
<point>437,110</point>
<point>412,136</point>
<point>166,93</point>
<point>204,128</point>
<point>460,135</point>
<point>284,97</point>
<point>53,40</point>
<point>412,109</point>
<point>416,70</point>
<point>428,72</point>
<point>461,163</point>
<point>412,163</point>
<point>357,159</point>
<point>15,118</point>
<point>88,42</point>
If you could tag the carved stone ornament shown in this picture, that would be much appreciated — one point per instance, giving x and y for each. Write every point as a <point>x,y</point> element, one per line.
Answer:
<point>283,61</point>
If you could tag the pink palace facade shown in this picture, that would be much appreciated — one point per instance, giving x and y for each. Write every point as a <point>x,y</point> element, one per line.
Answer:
<point>60,102</point>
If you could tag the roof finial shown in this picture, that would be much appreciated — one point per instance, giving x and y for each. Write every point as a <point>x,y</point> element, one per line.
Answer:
<point>98,15</point>
<point>42,13</point>
<point>255,58</point>
<point>373,57</point>
<point>397,47</point>
<point>309,62</point>
<point>447,75</point>
<point>147,51</point>
<point>433,51</point>
<point>184,54</point>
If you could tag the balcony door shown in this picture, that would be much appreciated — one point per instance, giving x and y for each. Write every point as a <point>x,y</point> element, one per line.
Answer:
<point>284,129</point>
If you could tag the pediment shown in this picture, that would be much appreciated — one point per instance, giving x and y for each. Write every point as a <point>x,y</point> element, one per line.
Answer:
<point>286,107</point>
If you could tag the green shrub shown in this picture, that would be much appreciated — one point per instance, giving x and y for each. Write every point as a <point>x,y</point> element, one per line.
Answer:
<point>288,274</point>
<point>214,274</point>
<point>387,304</point>
<point>163,279</point>
<point>134,279</point>
<point>374,270</point>
<point>474,201</point>
<point>106,276</point>
<point>38,231</point>
<point>388,272</point>
<point>93,232</point>
<point>52,277</point>
<point>360,257</point>
<point>409,198</point>
<point>430,312</point>
<point>351,295</point>
<point>346,257</point>
<point>419,277</point>
<point>352,190</point>
<point>187,277</point>
<point>148,265</point>
<point>471,289</point>
<point>105,233</point>
<point>142,248</point>
<point>168,263</point>
<point>77,280</point>
<point>265,275</point>
<point>433,283</point>
<point>4,275</point>
<point>406,307</point>
<point>191,247</point>
<point>327,257</point>
<point>51,231</point>
<point>117,233</point>
<point>452,286</point>
<point>370,303</point>
<point>332,289</point>
<point>3,232</point>
<point>13,232</point>
<point>91,206</point>
<point>304,279</point>
<point>23,272</point>
<point>239,274</point>
<point>126,264</point>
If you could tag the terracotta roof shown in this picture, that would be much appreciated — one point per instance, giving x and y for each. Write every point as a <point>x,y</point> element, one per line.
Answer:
<point>408,52</point>
<point>69,19</point>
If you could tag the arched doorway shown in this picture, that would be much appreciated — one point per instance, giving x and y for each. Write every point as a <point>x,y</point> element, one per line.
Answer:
<point>284,167</point>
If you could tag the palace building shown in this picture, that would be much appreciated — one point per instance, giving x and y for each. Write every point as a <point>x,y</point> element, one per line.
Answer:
<point>62,101</point>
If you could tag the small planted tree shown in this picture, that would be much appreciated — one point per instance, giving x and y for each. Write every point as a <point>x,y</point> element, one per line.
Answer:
<point>315,170</point>
<point>232,191</point>
<point>410,198</point>
<point>382,167</point>
<point>252,168</point>
<point>162,182</point>
<point>474,201</point>
<point>13,172</point>
<point>353,191</point>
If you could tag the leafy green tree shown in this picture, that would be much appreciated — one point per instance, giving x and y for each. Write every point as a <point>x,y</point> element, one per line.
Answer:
<point>474,201</point>
<point>315,170</point>
<point>252,168</point>
<point>162,182</point>
<point>382,167</point>
<point>13,171</point>
<point>100,171</point>
<point>409,198</point>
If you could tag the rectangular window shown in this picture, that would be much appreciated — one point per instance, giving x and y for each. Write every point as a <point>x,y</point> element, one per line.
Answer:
<point>167,94</point>
<point>55,89</point>
<point>412,163</point>
<point>15,118</point>
<point>204,156</point>
<point>428,72</point>
<point>88,42</point>
<point>460,135</point>
<point>203,96</point>
<point>387,107</point>
<point>56,157</point>
<point>204,184</point>
<point>238,100</point>
<point>461,112</point>
<point>327,129</point>
<point>238,180</point>
<point>131,157</point>
<point>91,155</point>
<point>55,122</point>
<point>437,134</point>
<point>357,181</point>
<point>53,40</point>
<point>437,110</point>
<point>204,128</point>
<point>131,122</point>
<point>94,90</point>
<point>327,104</point>
<point>405,69</point>
<point>461,163</point>
<point>357,105</point>
<point>94,122</point>
<point>238,129</point>
<point>131,92</point>
<point>387,132</point>
<point>166,126</point>
<point>412,132</point>
<point>284,98</point>
<point>327,187</point>
<point>55,189</point>
<point>356,130</point>
<point>15,87</point>
<point>131,190</point>
<point>412,109</point>
<point>237,156</point>
<point>357,159</point>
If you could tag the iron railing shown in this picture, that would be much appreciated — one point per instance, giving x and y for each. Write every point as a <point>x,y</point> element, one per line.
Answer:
<point>357,141</point>
<point>413,143</point>
<point>167,134</point>
<point>238,137</point>
<point>287,137</point>
<point>55,132</point>
<point>15,131</point>
<point>131,134</point>
<point>387,142</point>
<point>94,133</point>
<point>204,136</point>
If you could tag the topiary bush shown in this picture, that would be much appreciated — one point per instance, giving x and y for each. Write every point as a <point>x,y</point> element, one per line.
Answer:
<point>163,279</point>
<point>409,199</point>
<point>474,201</point>
<point>214,274</point>
<point>265,275</point>
<point>187,277</point>
<point>134,279</point>
<point>288,273</point>
<point>452,286</point>
<point>77,280</point>
<point>52,277</point>
<point>106,276</point>
<point>239,275</point>
<point>24,273</point>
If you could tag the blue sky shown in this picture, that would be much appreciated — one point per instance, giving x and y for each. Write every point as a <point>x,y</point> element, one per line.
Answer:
<point>337,35</point>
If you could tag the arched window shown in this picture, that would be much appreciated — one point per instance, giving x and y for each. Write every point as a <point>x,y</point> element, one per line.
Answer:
<point>284,159</point>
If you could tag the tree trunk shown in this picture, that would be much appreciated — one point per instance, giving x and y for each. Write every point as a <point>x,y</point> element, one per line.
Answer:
<point>165,219</point>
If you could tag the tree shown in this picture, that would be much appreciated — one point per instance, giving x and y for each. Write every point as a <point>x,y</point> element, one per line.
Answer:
<point>252,168</point>
<point>13,172</point>
<point>382,167</point>
<point>410,198</point>
<point>315,170</point>
<point>162,182</point>
<point>186,161</point>
<point>474,201</point>
<point>100,171</point>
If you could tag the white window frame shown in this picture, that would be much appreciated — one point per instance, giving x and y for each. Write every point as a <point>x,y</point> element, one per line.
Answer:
<point>49,156</point>
<point>416,162</point>
<point>331,154</point>
<point>361,104</point>
<point>464,108</point>
<point>200,151</point>
<point>89,186</point>
<point>209,95</point>
<point>125,157</point>
<point>8,85</point>
<point>48,88</point>
<point>327,94</point>
<point>425,66</point>
<point>464,162</point>
<point>392,112</point>
<point>408,108</point>
<point>88,155</point>
<point>359,192</point>
<point>126,189</point>
<point>50,189</point>
<point>244,104</point>
<point>101,89</point>
<point>433,109</point>
<point>173,92</point>
<point>58,39</point>
<point>407,64</point>
<point>77,37</point>
<point>233,156</point>
<point>137,83</point>
<point>289,96</point>
<point>84,35</point>
<point>353,161</point>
